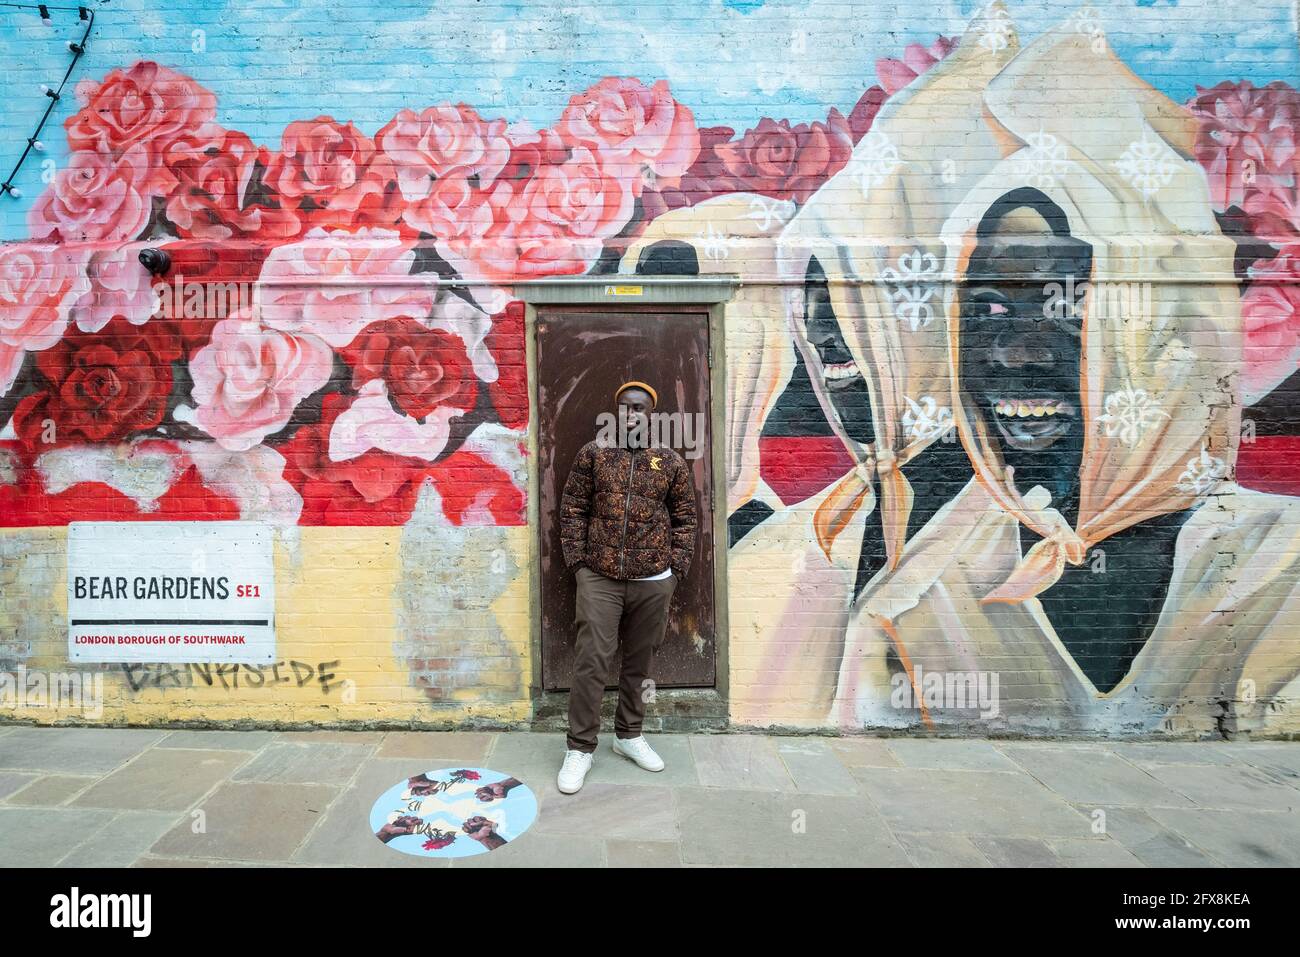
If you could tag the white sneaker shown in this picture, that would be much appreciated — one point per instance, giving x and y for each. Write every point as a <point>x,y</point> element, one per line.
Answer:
<point>639,750</point>
<point>574,770</point>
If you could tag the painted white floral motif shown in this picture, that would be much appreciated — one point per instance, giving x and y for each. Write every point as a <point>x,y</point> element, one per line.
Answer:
<point>926,419</point>
<point>997,31</point>
<point>1042,161</point>
<point>715,244</point>
<point>1129,413</point>
<point>1202,473</point>
<point>873,160</point>
<point>1087,20</point>
<point>911,287</point>
<point>1147,165</point>
<point>770,212</point>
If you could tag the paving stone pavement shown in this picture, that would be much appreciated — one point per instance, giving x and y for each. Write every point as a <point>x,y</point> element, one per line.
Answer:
<point>90,797</point>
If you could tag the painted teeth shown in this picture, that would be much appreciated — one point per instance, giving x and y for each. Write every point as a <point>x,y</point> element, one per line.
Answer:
<point>840,370</point>
<point>1026,409</point>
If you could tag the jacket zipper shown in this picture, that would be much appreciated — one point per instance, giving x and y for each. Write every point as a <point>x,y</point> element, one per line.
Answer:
<point>622,551</point>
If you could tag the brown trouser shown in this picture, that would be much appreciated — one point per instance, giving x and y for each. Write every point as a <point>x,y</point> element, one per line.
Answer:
<point>642,607</point>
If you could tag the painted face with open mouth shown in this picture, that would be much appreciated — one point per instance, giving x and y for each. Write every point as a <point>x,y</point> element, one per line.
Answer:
<point>1021,338</point>
<point>841,379</point>
<point>1031,423</point>
<point>1021,327</point>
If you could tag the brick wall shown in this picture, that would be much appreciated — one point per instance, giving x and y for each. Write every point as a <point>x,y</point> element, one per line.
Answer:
<point>1009,403</point>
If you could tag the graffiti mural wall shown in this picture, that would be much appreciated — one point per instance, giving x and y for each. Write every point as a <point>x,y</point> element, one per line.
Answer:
<point>1012,436</point>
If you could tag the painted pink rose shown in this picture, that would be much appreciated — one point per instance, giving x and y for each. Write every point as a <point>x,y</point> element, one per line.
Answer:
<point>458,208</point>
<point>530,150</point>
<point>453,209</point>
<point>332,175</point>
<point>94,197</point>
<point>896,74</point>
<point>118,287</point>
<point>1247,138</point>
<point>1270,313</point>
<point>630,126</point>
<point>218,192</point>
<point>706,178</point>
<point>333,284</point>
<point>38,286</point>
<point>580,197</point>
<point>250,378</point>
<point>554,223</point>
<point>145,106</point>
<point>425,148</point>
<point>1273,209</point>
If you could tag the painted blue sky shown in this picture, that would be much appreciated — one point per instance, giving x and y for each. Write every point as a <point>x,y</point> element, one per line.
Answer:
<point>272,61</point>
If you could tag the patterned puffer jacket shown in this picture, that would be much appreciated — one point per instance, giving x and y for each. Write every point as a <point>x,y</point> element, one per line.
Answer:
<point>628,513</point>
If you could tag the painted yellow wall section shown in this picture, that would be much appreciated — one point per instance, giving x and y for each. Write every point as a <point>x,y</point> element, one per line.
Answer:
<point>338,619</point>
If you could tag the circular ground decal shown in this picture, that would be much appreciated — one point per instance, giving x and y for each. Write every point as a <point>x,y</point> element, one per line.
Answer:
<point>453,812</point>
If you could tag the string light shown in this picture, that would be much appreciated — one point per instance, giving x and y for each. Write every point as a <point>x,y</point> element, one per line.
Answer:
<point>86,16</point>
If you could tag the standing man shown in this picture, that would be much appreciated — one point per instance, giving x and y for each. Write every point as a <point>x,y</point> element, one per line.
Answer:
<point>627,527</point>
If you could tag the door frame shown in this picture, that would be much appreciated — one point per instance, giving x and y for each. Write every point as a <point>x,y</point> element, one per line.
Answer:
<point>687,707</point>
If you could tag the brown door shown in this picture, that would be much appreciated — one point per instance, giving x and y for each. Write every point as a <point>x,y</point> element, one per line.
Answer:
<point>582,357</point>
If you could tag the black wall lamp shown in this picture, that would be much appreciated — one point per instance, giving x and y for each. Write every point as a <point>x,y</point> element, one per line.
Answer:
<point>155,260</point>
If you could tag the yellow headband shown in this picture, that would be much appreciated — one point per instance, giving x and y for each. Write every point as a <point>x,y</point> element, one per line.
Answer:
<point>634,384</point>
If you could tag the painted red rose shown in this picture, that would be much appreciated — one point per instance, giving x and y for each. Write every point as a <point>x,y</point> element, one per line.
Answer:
<point>505,341</point>
<point>788,162</point>
<point>101,386</point>
<point>333,175</point>
<point>208,282</point>
<point>864,112</point>
<point>422,368</point>
<point>216,196</point>
<point>145,105</point>
<point>467,482</point>
<point>374,488</point>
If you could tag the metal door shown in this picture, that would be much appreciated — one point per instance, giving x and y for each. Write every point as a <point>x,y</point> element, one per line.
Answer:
<point>582,357</point>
